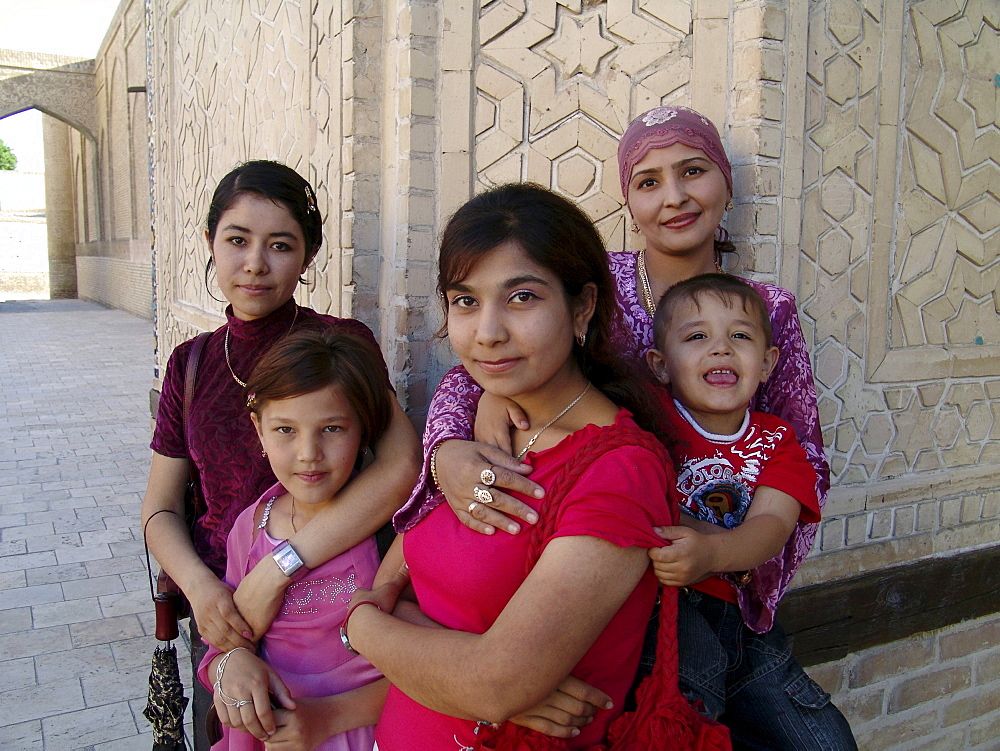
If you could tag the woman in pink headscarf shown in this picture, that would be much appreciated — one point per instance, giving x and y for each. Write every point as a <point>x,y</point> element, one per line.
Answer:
<point>677,183</point>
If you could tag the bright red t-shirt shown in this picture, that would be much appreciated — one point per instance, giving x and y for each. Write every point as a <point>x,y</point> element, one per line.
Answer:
<point>464,580</point>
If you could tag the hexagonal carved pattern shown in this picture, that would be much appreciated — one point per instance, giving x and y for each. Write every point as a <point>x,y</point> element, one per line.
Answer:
<point>902,292</point>
<point>558,82</point>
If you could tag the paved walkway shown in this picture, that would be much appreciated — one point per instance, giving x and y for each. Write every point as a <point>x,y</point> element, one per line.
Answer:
<point>76,621</point>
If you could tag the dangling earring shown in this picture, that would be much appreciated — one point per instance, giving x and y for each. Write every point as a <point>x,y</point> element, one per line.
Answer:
<point>581,338</point>
<point>263,452</point>
<point>729,206</point>
<point>634,227</point>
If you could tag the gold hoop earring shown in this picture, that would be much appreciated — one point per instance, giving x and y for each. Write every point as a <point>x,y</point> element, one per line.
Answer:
<point>729,206</point>
<point>634,228</point>
<point>581,338</point>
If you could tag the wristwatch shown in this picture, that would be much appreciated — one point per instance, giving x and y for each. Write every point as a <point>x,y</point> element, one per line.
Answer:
<point>287,559</point>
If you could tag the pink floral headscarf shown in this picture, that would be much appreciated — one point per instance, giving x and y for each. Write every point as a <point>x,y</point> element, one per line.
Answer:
<point>662,127</point>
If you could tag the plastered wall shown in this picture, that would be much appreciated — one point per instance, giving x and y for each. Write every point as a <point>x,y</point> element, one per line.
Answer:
<point>864,141</point>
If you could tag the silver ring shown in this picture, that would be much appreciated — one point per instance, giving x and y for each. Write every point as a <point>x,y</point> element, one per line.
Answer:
<point>482,495</point>
<point>488,476</point>
<point>243,703</point>
<point>473,505</point>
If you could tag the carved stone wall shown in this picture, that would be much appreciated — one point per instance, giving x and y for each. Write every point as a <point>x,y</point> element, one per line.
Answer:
<point>232,81</point>
<point>899,274</point>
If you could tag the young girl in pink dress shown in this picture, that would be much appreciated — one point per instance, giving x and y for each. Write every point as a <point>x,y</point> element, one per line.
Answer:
<point>317,400</point>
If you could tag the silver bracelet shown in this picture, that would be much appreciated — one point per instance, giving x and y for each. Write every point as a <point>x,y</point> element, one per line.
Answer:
<point>220,668</point>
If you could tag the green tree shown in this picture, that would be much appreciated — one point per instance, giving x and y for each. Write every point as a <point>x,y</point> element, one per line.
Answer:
<point>7,158</point>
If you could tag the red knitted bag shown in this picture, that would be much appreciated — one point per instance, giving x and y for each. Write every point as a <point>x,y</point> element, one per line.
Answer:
<point>663,718</point>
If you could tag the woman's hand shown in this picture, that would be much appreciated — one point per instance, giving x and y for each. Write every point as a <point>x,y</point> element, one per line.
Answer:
<point>246,677</point>
<point>259,595</point>
<point>459,467</point>
<point>303,728</point>
<point>219,621</point>
<point>567,709</point>
<point>386,595</point>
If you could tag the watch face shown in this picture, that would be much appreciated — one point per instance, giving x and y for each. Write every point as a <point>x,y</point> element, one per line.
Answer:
<point>287,559</point>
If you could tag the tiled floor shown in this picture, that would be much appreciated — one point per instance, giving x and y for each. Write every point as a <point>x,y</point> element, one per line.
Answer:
<point>76,620</point>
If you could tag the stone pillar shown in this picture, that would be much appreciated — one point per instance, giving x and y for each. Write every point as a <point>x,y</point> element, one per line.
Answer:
<point>59,209</point>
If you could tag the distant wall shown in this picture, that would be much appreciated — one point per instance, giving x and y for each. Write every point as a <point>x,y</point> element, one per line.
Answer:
<point>110,174</point>
<point>22,191</point>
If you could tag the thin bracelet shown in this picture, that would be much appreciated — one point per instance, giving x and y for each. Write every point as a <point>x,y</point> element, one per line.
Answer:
<point>220,668</point>
<point>343,626</point>
<point>434,467</point>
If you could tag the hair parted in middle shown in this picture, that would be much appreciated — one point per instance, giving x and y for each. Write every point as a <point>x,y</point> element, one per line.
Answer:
<point>278,183</point>
<point>724,287</point>
<point>311,359</point>
<point>557,235</point>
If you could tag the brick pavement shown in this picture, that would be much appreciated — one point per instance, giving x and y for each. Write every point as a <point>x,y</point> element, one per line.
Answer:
<point>75,617</point>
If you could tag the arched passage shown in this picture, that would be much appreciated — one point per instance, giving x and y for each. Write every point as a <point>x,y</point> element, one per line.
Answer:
<point>63,88</point>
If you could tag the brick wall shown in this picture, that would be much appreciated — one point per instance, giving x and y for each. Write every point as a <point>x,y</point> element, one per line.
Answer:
<point>936,690</point>
<point>116,283</point>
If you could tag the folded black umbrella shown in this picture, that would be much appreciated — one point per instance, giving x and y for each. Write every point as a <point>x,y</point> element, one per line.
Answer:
<point>166,702</point>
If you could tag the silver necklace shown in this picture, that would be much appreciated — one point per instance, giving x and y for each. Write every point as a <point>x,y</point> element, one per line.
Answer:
<point>267,514</point>
<point>225,347</point>
<point>551,422</point>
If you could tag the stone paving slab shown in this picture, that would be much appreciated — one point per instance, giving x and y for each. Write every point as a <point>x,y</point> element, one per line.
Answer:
<point>76,622</point>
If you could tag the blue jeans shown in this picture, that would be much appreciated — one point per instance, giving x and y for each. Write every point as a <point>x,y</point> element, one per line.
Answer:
<point>751,682</point>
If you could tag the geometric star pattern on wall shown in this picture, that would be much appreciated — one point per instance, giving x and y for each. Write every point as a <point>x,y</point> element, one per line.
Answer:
<point>943,259</point>
<point>558,82</point>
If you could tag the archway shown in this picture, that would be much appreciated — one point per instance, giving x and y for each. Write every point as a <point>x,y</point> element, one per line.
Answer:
<point>64,89</point>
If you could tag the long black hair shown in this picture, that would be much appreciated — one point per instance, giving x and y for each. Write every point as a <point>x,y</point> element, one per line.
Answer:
<point>276,182</point>
<point>556,234</point>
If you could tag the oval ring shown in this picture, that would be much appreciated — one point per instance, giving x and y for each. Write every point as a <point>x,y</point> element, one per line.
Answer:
<point>482,495</point>
<point>488,476</point>
<point>473,505</point>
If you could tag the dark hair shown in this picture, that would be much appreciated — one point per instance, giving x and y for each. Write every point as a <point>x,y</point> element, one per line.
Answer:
<point>311,359</point>
<point>556,234</point>
<point>274,181</point>
<point>725,287</point>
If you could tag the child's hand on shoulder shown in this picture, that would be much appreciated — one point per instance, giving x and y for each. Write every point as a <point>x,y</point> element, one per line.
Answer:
<point>495,416</point>
<point>688,558</point>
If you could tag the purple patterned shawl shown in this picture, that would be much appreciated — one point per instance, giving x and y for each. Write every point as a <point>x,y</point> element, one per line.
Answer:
<point>789,394</point>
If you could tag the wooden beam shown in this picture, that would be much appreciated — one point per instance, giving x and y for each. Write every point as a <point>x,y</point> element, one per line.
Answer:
<point>829,621</point>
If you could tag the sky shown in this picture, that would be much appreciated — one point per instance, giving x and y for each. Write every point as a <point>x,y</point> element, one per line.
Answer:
<point>61,27</point>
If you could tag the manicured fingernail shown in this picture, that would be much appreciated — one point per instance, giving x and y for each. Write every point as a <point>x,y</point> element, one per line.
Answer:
<point>489,531</point>
<point>538,493</point>
<point>513,529</point>
<point>247,635</point>
<point>609,705</point>
<point>532,517</point>
<point>574,732</point>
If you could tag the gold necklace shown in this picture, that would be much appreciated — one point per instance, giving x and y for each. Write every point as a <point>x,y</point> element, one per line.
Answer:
<point>551,422</point>
<point>645,291</point>
<point>225,347</point>
<point>292,520</point>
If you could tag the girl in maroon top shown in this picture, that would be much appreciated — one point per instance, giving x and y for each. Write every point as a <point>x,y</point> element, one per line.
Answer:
<point>263,230</point>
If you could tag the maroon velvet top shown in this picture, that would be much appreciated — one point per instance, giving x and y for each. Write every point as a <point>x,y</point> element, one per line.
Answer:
<point>224,445</point>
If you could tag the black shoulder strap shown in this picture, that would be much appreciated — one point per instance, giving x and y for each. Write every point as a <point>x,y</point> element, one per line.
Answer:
<point>190,376</point>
